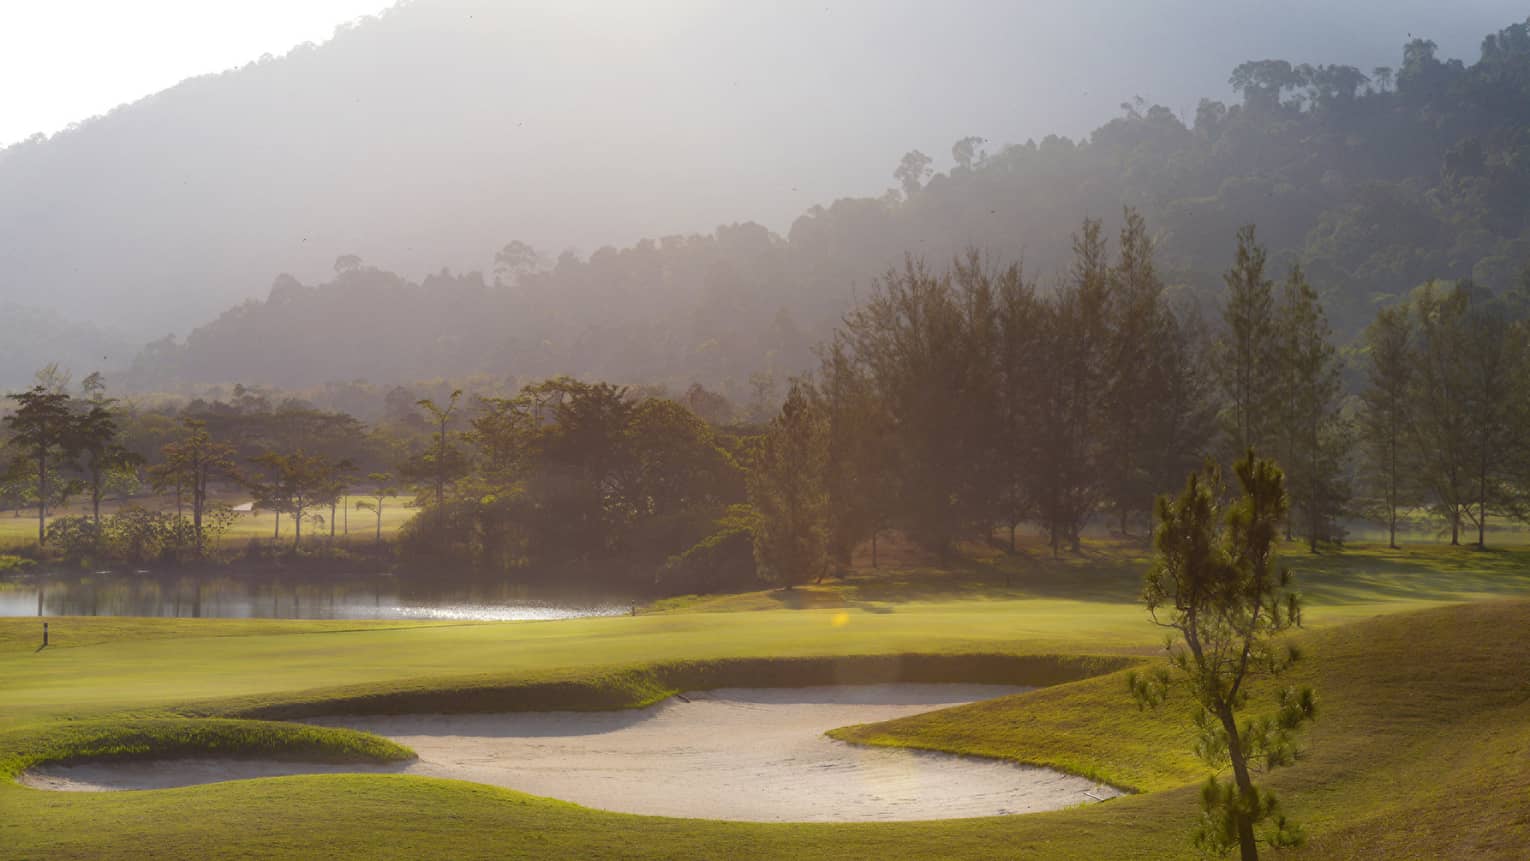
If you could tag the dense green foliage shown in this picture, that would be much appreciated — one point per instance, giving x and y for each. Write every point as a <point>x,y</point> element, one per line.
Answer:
<point>571,475</point>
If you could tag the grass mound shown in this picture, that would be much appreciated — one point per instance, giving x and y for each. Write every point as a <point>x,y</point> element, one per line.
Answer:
<point>164,738</point>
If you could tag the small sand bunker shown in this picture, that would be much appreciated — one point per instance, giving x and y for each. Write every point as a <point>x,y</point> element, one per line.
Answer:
<point>743,754</point>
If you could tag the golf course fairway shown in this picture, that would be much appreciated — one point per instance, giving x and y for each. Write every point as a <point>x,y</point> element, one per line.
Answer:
<point>1421,748</point>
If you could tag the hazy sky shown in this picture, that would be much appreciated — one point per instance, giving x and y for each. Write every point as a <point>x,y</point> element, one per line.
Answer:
<point>65,60</point>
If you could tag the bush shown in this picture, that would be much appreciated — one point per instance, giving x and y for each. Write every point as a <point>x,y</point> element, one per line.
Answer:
<point>75,540</point>
<point>137,535</point>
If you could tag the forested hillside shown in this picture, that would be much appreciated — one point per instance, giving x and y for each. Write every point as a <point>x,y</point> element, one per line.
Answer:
<point>1376,181</point>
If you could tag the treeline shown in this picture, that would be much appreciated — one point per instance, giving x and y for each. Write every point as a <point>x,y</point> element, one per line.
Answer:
<point>291,459</point>
<point>1374,181</point>
<point>953,405</point>
<point>1444,409</point>
<point>715,309</point>
<point>563,478</point>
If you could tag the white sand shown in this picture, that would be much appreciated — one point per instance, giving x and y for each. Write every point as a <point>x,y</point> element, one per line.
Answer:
<point>744,754</point>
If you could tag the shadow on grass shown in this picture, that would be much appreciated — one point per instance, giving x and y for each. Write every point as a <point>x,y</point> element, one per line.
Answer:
<point>1429,573</point>
<point>1110,571</point>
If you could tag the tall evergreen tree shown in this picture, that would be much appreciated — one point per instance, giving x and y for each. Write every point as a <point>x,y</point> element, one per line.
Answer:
<point>1154,412</point>
<point>1490,356</point>
<point>787,491</point>
<point>1311,436</point>
<point>1071,378</point>
<point>42,431</point>
<point>858,472</point>
<point>1017,355</point>
<point>1385,415</point>
<point>1180,420</point>
<point>1440,426</point>
<point>914,339</point>
<point>1247,349</point>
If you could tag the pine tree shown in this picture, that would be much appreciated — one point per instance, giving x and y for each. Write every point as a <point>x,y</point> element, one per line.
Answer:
<point>1020,343</point>
<point>1246,350</point>
<point>1133,376</point>
<point>1218,587</point>
<point>1385,415</point>
<point>42,428</point>
<point>1440,426</point>
<point>1312,438</point>
<point>1068,447</point>
<point>858,474</point>
<point>1491,354</point>
<point>787,490</point>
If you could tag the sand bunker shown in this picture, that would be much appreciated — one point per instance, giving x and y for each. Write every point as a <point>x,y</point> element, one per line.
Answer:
<point>743,754</point>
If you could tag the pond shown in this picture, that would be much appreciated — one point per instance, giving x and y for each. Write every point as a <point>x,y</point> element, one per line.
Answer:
<point>292,596</point>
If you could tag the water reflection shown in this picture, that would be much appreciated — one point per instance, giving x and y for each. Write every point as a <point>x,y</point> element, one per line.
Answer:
<point>289,597</point>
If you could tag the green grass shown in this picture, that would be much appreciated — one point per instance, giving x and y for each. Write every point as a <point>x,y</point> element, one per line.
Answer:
<point>1422,747</point>
<point>21,532</point>
<point>1105,581</point>
<point>96,741</point>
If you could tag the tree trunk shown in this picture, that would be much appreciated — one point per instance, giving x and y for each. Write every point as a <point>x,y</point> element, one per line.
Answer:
<point>1392,495</point>
<point>1248,847</point>
<point>42,494</point>
<point>198,502</point>
<point>873,547</point>
<point>1482,509</point>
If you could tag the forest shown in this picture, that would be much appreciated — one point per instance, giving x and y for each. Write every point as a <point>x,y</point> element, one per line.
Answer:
<point>952,405</point>
<point>1374,181</point>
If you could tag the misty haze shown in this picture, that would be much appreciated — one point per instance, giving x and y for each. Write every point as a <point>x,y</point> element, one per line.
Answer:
<point>842,429</point>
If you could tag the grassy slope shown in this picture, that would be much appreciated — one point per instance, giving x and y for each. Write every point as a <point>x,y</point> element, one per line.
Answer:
<point>1421,747</point>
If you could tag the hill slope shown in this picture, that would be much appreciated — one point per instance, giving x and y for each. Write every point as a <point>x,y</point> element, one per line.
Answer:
<point>1374,182</point>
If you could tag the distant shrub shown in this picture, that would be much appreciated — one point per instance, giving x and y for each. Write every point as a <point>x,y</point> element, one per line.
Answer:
<point>74,540</point>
